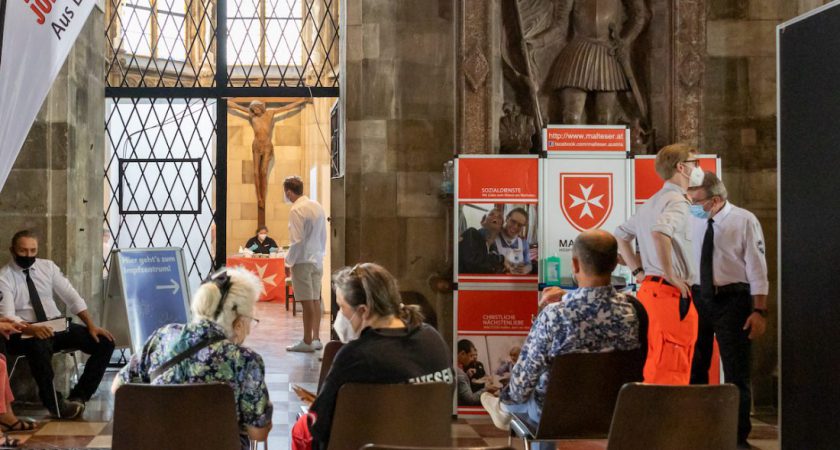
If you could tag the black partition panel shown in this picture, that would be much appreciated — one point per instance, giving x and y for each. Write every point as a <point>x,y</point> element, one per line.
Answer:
<point>809,174</point>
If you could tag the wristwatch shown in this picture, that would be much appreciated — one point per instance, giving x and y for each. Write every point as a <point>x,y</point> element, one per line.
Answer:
<point>763,312</point>
<point>637,271</point>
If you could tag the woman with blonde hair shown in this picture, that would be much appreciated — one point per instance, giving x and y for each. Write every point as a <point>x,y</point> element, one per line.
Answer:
<point>209,349</point>
<point>385,342</point>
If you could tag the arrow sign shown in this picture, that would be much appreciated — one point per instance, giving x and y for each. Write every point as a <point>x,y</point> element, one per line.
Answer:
<point>174,286</point>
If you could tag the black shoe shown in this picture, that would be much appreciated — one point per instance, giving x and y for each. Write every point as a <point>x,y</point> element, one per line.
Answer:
<point>743,445</point>
<point>69,410</point>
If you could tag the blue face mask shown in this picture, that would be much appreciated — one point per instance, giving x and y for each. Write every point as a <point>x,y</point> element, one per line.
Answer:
<point>698,212</point>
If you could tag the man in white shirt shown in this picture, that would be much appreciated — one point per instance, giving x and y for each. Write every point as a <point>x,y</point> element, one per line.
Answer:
<point>730,290</point>
<point>308,239</point>
<point>28,287</point>
<point>662,231</point>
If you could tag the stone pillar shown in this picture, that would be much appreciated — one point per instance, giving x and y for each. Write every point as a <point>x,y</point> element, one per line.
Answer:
<point>478,76</point>
<point>56,184</point>
<point>398,95</point>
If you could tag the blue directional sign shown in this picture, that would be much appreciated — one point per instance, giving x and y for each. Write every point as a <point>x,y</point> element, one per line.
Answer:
<point>154,290</point>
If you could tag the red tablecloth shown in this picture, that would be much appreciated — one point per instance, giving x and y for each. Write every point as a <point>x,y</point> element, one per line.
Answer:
<point>270,270</point>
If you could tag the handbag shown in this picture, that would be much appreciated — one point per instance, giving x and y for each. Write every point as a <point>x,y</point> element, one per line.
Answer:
<point>301,436</point>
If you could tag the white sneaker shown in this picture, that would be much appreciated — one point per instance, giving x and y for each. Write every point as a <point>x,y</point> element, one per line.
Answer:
<point>316,344</point>
<point>494,407</point>
<point>301,346</point>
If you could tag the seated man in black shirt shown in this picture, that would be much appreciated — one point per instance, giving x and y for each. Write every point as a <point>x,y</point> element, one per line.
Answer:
<point>386,342</point>
<point>477,250</point>
<point>261,243</point>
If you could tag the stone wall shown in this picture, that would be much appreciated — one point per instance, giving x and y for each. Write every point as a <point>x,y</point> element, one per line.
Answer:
<point>398,89</point>
<point>56,184</point>
<point>739,124</point>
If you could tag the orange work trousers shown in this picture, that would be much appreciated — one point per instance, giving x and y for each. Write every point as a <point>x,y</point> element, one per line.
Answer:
<point>670,340</point>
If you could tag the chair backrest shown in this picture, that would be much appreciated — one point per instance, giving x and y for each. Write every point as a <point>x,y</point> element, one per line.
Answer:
<point>392,414</point>
<point>582,391</point>
<point>396,447</point>
<point>330,349</point>
<point>177,416</point>
<point>675,418</point>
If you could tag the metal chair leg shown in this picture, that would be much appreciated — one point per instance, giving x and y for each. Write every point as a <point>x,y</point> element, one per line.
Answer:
<point>75,366</point>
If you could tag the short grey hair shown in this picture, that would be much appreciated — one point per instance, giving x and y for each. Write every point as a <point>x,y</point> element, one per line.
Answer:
<point>713,186</point>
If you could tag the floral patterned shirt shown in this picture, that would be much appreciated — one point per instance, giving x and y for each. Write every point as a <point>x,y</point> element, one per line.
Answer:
<point>222,361</point>
<point>588,320</point>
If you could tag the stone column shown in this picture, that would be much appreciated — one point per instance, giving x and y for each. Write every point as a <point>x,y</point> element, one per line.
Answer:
<point>398,94</point>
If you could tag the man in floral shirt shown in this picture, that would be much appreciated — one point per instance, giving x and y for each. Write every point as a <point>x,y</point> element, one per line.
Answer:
<point>594,318</point>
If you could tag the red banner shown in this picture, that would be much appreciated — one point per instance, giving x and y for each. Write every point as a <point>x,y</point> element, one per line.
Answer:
<point>595,139</point>
<point>648,182</point>
<point>496,311</point>
<point>493,179</point>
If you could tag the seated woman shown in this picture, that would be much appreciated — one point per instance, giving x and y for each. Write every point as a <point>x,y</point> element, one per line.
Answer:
<point>9,422</point>
<point>223,312</point>
<point>386,342</point>
<point>261,243</point>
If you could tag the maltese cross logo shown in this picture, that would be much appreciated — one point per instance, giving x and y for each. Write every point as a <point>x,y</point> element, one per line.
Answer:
<point>586,199</point>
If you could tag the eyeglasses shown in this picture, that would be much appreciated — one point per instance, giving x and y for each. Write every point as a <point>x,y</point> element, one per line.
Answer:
<point>254,320</point>
<point>696,162</point>
<point>701,202</point>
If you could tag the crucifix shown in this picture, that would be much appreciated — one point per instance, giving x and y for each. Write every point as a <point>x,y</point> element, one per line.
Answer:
<point>262,121</point>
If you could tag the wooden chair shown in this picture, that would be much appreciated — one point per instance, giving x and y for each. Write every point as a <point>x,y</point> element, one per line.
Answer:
<point>675,418</point>
<point>392,414</point>
<point>290,295</point>
<point>175,417</point>
<point>581,395</point>
<point>330,350</point>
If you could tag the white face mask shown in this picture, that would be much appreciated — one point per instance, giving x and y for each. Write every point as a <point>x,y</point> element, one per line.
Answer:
<point>344,328</point>
<point>696,177</point>
<point>286,199</point>
<point>262,236</point>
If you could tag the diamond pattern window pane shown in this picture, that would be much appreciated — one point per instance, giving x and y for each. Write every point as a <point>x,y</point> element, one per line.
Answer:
<point>282,43</point>
<point>168,131</point>
<point>161,43</point>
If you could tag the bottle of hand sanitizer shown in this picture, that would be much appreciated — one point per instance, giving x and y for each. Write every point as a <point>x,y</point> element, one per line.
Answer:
<point>552,270</point>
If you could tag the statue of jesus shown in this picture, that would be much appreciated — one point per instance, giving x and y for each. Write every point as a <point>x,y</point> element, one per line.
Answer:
<point>262,121</point>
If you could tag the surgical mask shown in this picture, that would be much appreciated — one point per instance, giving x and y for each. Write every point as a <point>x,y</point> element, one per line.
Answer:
<point>698,212</point>
<point>262,236</point>
<point>696,177</point>
<point>344,328</point>
<point>24,262</point>
<point>286,199</point>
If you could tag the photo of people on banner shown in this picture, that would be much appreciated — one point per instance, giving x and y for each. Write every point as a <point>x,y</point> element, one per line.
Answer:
<point>498,238</point>
<point>483,364</point>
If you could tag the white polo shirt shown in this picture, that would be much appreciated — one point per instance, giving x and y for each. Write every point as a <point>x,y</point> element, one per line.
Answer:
<point>667,212</point>
<point>739,249</point>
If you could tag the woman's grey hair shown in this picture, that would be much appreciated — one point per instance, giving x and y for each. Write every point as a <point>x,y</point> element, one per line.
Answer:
<point>713,186</point>
<point>242,294</point>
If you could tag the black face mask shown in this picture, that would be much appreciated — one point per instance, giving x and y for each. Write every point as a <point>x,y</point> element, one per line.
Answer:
<point>24,262</point>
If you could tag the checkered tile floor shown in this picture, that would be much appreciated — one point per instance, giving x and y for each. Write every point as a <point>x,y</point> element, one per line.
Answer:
<point>276,330</point>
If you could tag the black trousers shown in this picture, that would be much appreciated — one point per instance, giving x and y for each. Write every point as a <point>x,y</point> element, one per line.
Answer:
<point>39,354</point>
<point>724,316</point>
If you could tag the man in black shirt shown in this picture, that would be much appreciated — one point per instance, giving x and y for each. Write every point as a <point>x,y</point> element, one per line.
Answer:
<point>477,250</point>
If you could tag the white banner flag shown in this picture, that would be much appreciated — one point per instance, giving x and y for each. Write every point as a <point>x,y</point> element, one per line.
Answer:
<point>35,38</point>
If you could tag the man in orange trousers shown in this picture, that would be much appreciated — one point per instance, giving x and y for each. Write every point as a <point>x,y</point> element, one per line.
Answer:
<point>664,268</point>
